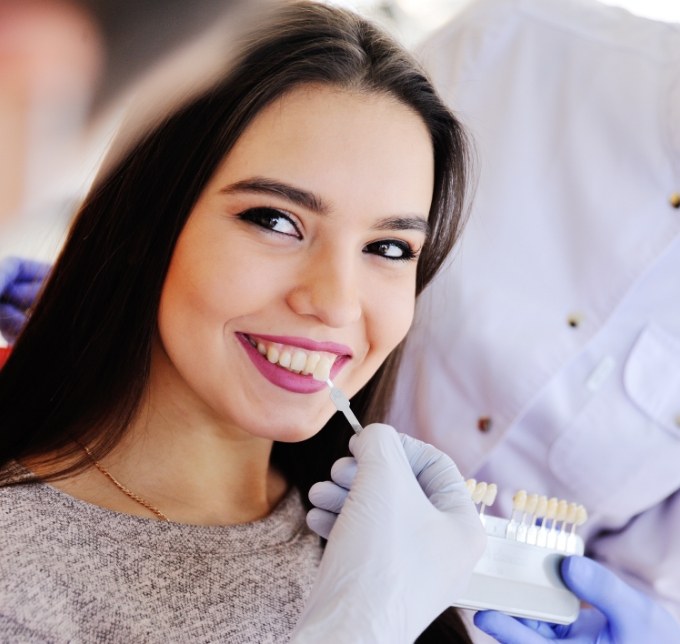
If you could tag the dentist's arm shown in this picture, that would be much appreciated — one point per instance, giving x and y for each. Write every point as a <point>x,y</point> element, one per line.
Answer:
<point>403,538</point>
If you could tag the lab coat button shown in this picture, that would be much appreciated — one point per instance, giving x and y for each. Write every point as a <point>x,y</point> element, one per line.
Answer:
<point>484,424</point>
<point>574,320</point>
<point>675,200</point>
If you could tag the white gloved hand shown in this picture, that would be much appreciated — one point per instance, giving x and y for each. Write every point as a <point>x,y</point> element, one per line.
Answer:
<point>403,545</point>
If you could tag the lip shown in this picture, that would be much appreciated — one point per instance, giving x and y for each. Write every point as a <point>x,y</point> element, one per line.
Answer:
<point>294,382</point>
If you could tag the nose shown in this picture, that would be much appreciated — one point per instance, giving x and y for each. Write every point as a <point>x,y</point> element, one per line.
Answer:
<point>328,288</point>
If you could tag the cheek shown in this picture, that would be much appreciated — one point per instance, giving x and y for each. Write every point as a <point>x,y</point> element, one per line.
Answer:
<point>390,316</point>
<point>196,299</point>
<point>189,295</point>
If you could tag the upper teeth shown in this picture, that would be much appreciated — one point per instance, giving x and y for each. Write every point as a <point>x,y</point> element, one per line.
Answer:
<point>314,363</point>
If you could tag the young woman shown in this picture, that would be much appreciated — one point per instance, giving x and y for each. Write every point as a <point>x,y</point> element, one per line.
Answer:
<point>160,423</point>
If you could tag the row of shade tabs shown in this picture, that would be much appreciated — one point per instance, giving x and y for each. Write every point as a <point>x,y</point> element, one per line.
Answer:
<point>535,519</point>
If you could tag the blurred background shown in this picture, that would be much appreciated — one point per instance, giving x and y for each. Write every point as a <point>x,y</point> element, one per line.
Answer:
<point>40,234</point>
<point>413,19</point>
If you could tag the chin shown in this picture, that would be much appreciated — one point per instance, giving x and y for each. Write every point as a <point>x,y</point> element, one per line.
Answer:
<point>296,435</point>
<point>297,432</point>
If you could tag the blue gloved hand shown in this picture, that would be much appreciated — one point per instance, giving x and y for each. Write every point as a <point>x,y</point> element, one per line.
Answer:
<point>403,538</point>
<point>619,614</point>
<point>20,283</point>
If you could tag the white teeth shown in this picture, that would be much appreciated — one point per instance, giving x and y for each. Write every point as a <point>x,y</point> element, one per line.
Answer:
<point>285,358</point>
<point>298,361</point>
<point>323,369</point>
<point>312,361</point>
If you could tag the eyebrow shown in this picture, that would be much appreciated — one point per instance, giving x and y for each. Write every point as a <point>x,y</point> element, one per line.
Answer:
<point>404,223</point>
<point>262,185</point>
<point>311,201</point>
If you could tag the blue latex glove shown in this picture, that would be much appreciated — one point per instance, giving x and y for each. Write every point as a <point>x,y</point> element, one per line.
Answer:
<point>20,283</point>
<point>619,614</point>
<point>403,538</point>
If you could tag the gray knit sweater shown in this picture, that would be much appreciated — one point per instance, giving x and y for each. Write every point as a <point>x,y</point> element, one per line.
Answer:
<point>74,572</point>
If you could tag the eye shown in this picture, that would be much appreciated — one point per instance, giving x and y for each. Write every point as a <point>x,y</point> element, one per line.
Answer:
<point>392,249</point>
<point>271,219</point>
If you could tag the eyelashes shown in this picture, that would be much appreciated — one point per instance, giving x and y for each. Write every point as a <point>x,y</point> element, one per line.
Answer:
<point>281,223</point>
<point>271,219</point>
<point>393,249</point>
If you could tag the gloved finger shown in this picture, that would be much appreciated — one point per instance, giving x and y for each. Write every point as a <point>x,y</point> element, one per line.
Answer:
<point>592,582</point>
<point>14,269</point>
<point>343,471</point>
<point>20,269</point>
<point>328,496</point>
<point>12,321</point>
<point>22,294</point>
<point>380,442</point>
<point>9,270</point>
<point>33,270</point>
<point>546,629</point>
<point>321,522</point>
<point>377,446</point>
<point>509,630</point>
<point>437,474</point>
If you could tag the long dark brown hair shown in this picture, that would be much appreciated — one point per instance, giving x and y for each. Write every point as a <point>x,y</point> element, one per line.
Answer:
<point>81,365</point>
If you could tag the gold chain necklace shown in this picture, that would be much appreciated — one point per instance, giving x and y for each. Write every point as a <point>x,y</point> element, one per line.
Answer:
<point>122,488</point>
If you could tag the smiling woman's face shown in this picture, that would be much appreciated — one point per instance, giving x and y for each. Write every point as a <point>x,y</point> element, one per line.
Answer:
<point>300,251</point>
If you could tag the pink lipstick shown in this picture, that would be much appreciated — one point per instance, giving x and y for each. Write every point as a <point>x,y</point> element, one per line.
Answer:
<point>284,378</point>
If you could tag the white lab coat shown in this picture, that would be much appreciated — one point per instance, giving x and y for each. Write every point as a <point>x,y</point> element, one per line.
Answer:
<point>556,326</point>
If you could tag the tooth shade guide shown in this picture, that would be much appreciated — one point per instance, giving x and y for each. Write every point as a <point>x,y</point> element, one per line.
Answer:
<point>488,499</point>
<point>490,496</point>
<point>541,507</point>
<point>482,494</point>
<point>536,505</point>
<point>527,517</point>
<point>519,501</point>
<point>470,485</point>
<point>341,403</point>
<point>538,536</point>
<point>479,492</point>
<point>561,513</point>
<point>528,521</point>
<point>516,574</point>
<point>571,513</point>
<point>581,516</point>
<point>532,503</point>
<point>322,370</point>
<point>551,509</point>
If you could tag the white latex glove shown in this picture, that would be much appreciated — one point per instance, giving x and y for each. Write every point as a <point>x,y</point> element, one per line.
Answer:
<point>403,545</point>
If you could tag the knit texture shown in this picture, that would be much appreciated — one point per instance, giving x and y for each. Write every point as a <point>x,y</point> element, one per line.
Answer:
<point>73,572</point>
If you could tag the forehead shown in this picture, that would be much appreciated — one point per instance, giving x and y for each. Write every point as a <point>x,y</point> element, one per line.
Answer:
<point>335,140</point>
